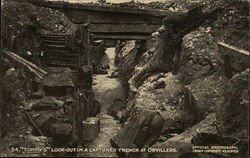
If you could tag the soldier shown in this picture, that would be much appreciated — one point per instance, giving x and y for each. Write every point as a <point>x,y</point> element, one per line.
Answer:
<point>167,50</point>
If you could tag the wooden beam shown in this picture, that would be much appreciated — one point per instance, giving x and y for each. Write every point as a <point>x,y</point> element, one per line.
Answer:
<point>235,59</point>
<point>116,28</point>
<point>99,8</point>
<point>120,37</point>
<point>234,50</point>
<point>82,16</point>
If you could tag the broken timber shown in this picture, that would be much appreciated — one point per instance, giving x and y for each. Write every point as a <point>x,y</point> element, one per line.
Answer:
<point>40,73</point>
<point>235,59</point>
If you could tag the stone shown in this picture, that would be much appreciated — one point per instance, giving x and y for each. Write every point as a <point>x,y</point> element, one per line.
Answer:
<point>58,77</point>
<point>117,106</point>
<point>58,82</point>
<point>183,142</point>
<point>90,128</point>
<point>204,133</point>
<point>48,103</point>
<point>140,133</point>
<point>44,118</point>
<point>149,126</point>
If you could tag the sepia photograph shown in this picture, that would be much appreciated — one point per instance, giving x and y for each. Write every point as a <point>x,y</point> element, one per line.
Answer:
<point>125,78</point>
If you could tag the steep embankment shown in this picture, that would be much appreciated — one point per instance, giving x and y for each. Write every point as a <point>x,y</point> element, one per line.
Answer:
<point>185,97</point>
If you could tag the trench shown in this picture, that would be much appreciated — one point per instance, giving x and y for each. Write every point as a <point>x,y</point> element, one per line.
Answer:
<point>106,90</point>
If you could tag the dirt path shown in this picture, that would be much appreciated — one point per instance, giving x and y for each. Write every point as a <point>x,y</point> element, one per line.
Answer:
<point>106,91</point>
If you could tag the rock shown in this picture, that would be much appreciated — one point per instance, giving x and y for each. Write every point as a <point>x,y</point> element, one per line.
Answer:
<point>203,96</point>
<point>43,120</point>
<point>145,131</point>
<point>117,106</point>
<point>58,82</point>
<point>159,84</point>
<point>140,133</point>
<point>58,77</point>
<point>61,131</point>
<point>149,99</point>
<point>183,142</point>
<point>48,103</point>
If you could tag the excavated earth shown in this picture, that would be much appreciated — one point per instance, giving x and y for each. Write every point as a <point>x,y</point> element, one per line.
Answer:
<point>195,98</point>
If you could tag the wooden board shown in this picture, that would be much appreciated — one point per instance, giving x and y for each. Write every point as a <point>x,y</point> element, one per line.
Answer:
<point>120,37</point>
<point>116,28</point>
<point>82,16</point>
<point>235,59</point>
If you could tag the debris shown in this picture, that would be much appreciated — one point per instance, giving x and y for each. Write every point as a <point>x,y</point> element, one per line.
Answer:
<point>116,108</point>
<point>32,67</point>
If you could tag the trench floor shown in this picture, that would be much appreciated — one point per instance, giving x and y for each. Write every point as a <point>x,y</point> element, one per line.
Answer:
<point>106,90</point>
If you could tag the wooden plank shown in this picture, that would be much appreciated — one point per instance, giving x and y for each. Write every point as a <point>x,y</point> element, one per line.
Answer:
<point>238,54</point>
<point>116,28</point>
<point>54,46</point>
<point>233,49</point>
<point>235,59</point>
<point>59,64</point>
<point>80,17</point>
<point>120,37</point>
<point>32,67</point>
<point>99,8</point>
<point>62,59</point>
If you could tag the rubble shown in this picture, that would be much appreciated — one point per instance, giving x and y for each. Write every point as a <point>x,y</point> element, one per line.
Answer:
<point>193,92</point>
<point>183,141</point>
<point>116,108</point>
